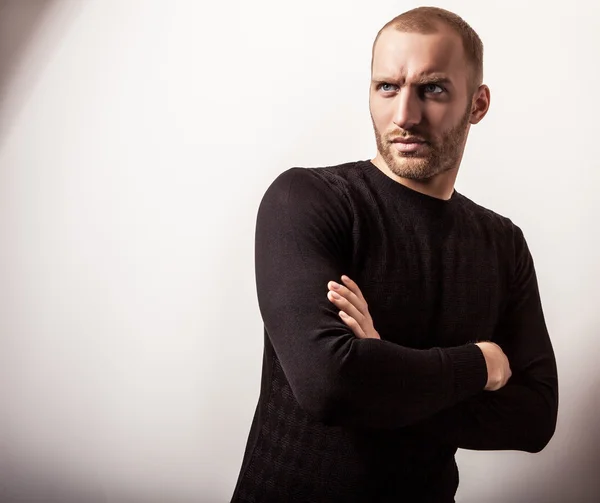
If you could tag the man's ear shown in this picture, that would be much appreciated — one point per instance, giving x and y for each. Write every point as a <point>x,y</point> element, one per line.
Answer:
<point>480,104</point>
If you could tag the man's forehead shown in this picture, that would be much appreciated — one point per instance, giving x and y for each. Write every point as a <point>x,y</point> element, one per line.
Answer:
<point>398,53</point>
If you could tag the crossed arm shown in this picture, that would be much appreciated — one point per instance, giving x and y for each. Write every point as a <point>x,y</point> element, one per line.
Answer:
<point>354,312</point>
<point>341,377</point>
<point>520,415</point>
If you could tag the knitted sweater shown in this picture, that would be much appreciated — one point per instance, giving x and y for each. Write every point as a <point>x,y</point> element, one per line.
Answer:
<point>342,419</point>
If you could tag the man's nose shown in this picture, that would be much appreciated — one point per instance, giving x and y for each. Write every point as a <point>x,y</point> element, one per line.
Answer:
<point>408,111</point>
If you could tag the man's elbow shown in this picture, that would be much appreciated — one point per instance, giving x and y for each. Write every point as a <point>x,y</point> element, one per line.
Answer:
<point>542,423</point>
<point>324,404</point>
<point>540,438</point>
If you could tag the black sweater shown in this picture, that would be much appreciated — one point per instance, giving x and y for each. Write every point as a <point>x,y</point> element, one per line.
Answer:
<point>342,419</point>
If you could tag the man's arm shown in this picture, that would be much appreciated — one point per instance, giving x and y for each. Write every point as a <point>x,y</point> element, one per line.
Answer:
<point>303,239</point>
<point>522,415</point>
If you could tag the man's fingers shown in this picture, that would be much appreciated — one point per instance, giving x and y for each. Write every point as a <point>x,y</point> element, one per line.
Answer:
<point>345,305</point>
<point>345,292</point>
<point>353,325</point>
<point>353,308</point>
<point>353,287</point>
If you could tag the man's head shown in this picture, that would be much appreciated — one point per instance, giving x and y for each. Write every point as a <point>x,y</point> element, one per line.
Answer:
<point>426,91</point>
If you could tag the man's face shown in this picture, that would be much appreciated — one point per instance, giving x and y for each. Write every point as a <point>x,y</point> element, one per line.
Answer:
<point>420,102</point>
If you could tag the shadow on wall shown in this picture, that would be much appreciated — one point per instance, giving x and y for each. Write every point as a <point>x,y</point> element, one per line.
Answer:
<point>29,31</point>
<point>22,22</point>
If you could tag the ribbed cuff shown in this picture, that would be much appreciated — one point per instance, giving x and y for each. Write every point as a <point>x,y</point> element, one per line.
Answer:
<point>470,370</point>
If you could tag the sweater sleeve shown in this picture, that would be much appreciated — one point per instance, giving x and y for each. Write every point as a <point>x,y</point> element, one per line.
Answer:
<point>303,235</point>
<point>522,415</point>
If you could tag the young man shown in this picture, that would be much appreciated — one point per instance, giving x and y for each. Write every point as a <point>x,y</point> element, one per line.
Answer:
<point>368,402</point>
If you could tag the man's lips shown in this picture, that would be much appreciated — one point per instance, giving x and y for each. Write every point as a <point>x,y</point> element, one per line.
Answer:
<point>410,144</point>
<point>409,140</point>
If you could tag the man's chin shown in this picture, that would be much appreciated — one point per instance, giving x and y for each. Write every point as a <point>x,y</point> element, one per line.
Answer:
<point>412,168</point>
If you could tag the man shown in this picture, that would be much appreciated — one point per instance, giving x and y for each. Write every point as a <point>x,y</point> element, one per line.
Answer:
<point>368,402</point>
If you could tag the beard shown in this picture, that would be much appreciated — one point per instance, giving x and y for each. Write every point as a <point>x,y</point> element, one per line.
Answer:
<point>440,155</point>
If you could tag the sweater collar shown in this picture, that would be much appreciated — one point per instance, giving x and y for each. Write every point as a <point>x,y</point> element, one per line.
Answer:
<point>396,189</point>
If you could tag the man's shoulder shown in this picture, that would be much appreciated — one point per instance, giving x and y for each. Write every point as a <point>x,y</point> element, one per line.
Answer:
<point>488,218</point>
<point>337,174</point>
<point>316,181</point>
<point>311,191</point>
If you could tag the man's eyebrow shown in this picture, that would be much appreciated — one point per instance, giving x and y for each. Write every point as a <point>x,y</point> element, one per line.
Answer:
<point>432,78</point>
<point>421,79</point>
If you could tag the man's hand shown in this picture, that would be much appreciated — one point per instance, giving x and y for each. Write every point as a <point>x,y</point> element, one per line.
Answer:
<point>498,366</point>
<point>354,311</point>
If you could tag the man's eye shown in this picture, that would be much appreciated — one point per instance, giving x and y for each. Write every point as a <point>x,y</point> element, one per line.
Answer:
<point>433,89</point>
<point>386,87</point>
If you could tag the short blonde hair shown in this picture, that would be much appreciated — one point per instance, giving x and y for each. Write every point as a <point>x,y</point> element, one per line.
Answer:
<point>427,20</point>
